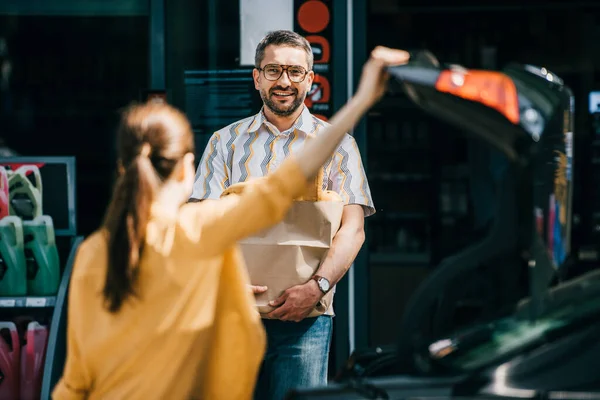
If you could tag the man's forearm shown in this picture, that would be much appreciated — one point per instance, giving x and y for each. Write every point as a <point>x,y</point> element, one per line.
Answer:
<point>298,301</point>
<point>344,249</point>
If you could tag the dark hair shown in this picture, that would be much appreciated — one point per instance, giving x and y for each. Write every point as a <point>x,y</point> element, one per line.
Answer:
<point>151,139</point>
<point>283,38</point>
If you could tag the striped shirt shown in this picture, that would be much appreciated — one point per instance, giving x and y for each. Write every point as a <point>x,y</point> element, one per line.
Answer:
<point>253,147</point>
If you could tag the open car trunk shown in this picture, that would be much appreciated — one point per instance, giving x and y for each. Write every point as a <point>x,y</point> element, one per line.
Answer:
<point>526,113</point>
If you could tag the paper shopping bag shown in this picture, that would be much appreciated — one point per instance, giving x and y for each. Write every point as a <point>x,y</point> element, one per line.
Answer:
<point>289,253</point>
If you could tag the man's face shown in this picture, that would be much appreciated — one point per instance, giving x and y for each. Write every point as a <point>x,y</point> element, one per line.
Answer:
<point>283,96</point>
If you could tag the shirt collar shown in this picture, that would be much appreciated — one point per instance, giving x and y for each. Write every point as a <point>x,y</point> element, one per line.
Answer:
<point>304,123</point>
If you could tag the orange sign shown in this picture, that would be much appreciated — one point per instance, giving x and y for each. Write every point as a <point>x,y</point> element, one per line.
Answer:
<point>313,16</point>
<point>320,92</point>
<point>320,48</point>
<point>313,20</point>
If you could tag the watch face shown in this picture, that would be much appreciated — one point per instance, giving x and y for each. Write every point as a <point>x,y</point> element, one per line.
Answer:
<point>324,284</point>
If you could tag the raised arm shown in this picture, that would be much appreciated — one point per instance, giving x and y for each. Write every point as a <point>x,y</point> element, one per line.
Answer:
<point>370,89</point>
<point>216,225</point>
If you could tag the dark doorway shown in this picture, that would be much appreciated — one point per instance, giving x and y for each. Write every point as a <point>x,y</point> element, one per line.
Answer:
<point>70,76</point>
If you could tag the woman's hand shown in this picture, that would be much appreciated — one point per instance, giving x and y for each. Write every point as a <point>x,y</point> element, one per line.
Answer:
<point>374,77</point>
<point>370,89</point>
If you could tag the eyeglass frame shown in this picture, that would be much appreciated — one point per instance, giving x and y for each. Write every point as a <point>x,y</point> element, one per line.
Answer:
<point>284,68</point>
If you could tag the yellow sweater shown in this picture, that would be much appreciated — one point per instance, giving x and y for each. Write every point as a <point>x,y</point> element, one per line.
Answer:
<point>193,333</point>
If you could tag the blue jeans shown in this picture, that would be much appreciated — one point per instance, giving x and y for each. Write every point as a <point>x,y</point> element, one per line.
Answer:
<point>297,355</point>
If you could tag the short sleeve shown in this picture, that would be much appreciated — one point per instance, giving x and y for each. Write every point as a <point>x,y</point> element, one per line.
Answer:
<point>212,176</point>
<point>347,177</point>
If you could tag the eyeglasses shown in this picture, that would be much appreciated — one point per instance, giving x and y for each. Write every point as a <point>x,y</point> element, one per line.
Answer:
<point>273,72</point>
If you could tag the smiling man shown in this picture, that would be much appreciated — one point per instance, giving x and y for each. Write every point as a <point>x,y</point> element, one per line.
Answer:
<point>298,347</point>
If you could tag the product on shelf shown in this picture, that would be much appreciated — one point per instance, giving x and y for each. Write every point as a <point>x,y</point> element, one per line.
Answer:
<point>43,268</point>
<point>33,355</point>
<point>13,268</point>
<point>25,194</point>
<point>4,202</point>
<point>9,361</point>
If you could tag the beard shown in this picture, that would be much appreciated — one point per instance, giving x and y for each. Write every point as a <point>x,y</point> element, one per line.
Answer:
<point>282,110</point>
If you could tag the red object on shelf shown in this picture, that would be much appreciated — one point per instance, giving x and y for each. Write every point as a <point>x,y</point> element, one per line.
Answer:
<point>33,354</point>
<point>4,198</point>
<point>16,166</point>
<point>9,361</point>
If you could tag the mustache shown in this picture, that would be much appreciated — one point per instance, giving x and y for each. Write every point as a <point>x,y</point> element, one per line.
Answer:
<point>282,89</point>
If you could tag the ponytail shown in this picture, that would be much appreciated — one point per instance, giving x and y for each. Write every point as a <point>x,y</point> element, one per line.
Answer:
<point>125,224</point>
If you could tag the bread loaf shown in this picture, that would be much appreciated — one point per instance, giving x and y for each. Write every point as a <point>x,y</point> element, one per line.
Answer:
<point>314,190</point>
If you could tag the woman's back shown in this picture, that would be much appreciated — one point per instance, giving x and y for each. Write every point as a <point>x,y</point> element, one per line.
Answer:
<point>191,330</point>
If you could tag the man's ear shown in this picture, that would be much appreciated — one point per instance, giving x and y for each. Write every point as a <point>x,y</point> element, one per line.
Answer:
<point>310,77</point>
<point>256,77</point>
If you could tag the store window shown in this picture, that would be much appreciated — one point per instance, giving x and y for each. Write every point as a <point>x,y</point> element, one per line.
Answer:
<point>63,80</point>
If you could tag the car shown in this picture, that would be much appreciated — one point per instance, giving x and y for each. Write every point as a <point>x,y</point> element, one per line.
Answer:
<point>533,334</point>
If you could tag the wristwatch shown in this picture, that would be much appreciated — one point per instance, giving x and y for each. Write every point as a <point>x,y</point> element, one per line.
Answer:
<point>323,283</point>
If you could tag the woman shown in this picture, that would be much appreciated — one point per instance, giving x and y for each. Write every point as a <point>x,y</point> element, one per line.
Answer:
<point>158,305</point>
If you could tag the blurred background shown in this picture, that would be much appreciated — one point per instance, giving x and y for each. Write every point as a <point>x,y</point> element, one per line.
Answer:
<point>68,66</point>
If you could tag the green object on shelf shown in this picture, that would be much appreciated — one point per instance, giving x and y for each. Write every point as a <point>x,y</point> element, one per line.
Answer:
<point>41,254</point>
<point>25,194</point>
<point>13,268</point>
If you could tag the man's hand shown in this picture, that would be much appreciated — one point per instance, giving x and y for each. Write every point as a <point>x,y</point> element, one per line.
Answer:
<point>254,289</point>
<point>296,302</point>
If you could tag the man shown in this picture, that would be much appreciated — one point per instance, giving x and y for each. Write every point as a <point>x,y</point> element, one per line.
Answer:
<point>298,347</point>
